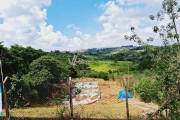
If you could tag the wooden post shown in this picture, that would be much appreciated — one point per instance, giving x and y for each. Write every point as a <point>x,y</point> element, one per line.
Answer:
<point>4,92</point>
<point>70,99</point>
<point>5,99</point>
<point>1,116</point>
<point>72,63</point>
<point>134,90</point>
<point>127,106</point>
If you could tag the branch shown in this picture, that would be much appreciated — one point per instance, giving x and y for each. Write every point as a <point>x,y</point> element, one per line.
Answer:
<point>163,104</point>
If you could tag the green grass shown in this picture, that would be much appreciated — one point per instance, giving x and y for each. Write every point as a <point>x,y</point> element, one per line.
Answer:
<point>101,67</point>
<point>104,66</point>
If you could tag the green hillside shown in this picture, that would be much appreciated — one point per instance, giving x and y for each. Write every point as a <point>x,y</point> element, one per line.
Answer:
<point>104,51</point>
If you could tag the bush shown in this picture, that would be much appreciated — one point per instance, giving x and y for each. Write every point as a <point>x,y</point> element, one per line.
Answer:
<point>104,75</point>
<point>146,89</point>
<point>92,74</point>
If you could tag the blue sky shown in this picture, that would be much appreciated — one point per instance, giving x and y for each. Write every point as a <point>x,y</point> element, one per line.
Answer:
<point>69,25</point>
<point>82,13</point>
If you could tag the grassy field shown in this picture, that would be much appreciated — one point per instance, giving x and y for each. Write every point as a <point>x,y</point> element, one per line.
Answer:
<point>107,107</point>
<point>105,66</point>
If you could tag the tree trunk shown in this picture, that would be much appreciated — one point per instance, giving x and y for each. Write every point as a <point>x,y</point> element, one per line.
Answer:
<point>6,102</point>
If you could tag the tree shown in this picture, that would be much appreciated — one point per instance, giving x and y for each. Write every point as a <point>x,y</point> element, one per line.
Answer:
<point>22,57</point>
<point>46,69</point>
<point>167,58</point>
<point>42,73</point>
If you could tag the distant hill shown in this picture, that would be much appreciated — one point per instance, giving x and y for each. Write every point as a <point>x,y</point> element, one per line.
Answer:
<point>105,50</point>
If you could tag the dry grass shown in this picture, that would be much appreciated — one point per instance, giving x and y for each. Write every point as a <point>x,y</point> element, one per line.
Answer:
<point>108,106</point>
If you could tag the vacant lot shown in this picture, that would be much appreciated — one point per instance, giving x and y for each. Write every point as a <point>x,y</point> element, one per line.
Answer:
<point>108,106</point>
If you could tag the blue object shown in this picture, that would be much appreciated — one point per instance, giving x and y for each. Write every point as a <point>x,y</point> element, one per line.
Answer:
<point>64,80</point>
<point>122,94</point>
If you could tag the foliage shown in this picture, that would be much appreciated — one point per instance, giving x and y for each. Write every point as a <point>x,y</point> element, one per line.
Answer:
<point>146,90</point>
<point>22,57</point>
<point>17,92</point>
<point>61,112</point>
<point>46,69</point>
<point>92,74</point>
<point>166,59</point>
<point>103,75</point>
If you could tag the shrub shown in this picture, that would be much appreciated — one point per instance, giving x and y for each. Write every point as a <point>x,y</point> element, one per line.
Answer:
<point>104,75</point>
<point>146,90</point>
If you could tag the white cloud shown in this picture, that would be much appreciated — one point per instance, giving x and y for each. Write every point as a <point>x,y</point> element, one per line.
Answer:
<point>73,26</point>
<point>155,3</point>
<point>23,22</point>
<point>75,43</point>
<point>120,15</point>
<point>79,33</point>
<point>46,36</point>
<point>122,2</point>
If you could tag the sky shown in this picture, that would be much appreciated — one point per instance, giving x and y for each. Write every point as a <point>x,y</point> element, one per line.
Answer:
<point>69,25</point>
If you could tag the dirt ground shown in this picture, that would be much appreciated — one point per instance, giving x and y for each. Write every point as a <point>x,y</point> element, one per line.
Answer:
<point>108,106</point>
<point>109,93</point>
<point>108,103</point>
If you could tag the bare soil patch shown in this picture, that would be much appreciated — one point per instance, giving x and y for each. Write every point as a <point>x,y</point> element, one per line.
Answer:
<point>94,97</point>
<point>79,98</point>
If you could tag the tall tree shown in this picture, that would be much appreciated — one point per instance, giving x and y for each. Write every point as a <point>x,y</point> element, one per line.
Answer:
<point>22,57</point>
<point>7,60</point>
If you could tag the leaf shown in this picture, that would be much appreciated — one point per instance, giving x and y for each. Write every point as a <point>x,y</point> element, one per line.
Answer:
<point>169,35</point>
<point>155,29</point>
<point>126,37</point>
<point>151,17</point>
<point>132,28</point>
<point>161,34</point>
<point>176,36</point>
<point>178,10</point>
<point>175,3</point>
<point>158,14</point>
<point>150,39</point>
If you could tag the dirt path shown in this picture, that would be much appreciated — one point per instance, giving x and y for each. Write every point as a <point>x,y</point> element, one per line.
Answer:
<point>146,107</point>
<point>109,94</point>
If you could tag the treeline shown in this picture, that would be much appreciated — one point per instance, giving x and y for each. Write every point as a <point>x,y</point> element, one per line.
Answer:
<point>138,55</point>
<point>103,51</point>
<point>32,72</point>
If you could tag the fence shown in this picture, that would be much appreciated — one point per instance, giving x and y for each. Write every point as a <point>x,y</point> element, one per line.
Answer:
<point>46,101</point>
